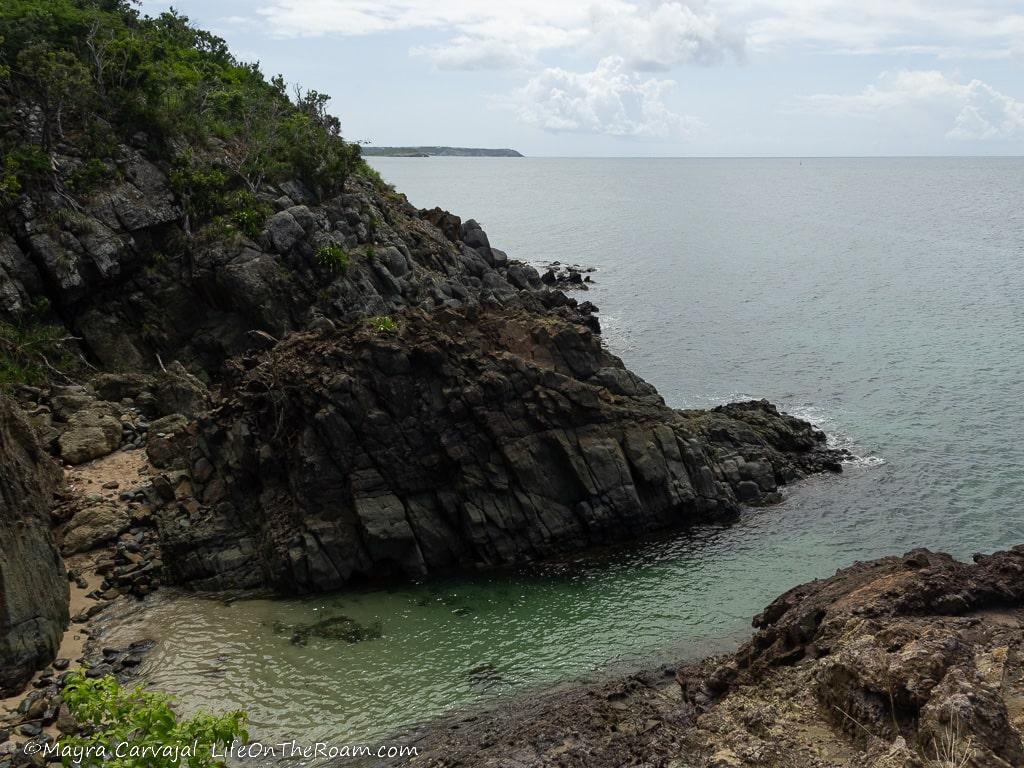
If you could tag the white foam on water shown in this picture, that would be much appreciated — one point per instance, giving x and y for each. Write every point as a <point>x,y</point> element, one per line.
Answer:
<point>836,434</point>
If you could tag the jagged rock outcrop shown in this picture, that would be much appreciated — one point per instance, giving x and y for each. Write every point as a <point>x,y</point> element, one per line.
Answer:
<point>908,662</point>
<point>122,271</point>
<point>466,438</point>
<point>902,662</point>
<point>33,584</point>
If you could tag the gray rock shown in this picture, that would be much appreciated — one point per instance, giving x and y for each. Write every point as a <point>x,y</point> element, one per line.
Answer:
<point>168,441</point>
<point>394,260</point>
<point>474,236</point>
<point>179,392</point>
<point>471,438</point>
<point>33,584</point>
<point>284,231</point>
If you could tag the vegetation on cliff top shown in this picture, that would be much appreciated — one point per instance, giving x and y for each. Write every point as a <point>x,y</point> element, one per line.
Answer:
<point>84,83</point>
<point>85,76</point>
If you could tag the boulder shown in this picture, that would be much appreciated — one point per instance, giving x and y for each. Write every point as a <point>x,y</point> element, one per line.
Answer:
<point>95,524</point>
<point>169,441</point>
<point>179,392</point>
<point>284,231</point>
<point>474,236</point>
<point>90,433</point>
<point>449,224</point>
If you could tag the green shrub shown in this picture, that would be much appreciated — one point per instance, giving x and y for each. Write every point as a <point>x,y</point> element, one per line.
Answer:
<point>31,353</point>
<point>10,187</point>
<point>371,174</point>
<point>200,188</point>
<point>114,716</point>
<point>247,212</point>
<point>333,257</point>
<point>383,324</point>
<point>21,166</point>
<point>99,74</point>
<point>89,175</point>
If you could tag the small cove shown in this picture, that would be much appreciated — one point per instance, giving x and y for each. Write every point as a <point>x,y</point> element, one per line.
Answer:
<point>880,299</point>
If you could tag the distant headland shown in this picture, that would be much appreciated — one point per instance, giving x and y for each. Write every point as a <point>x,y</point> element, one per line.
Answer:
<point>438,152</point>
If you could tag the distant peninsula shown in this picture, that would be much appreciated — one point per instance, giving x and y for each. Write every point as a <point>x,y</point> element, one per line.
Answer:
<point>438,152</point>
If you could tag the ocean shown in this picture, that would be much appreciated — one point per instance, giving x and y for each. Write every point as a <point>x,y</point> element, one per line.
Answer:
<point>882,299</point>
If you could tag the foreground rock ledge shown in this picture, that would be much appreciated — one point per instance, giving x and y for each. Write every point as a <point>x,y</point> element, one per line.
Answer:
<point>902,662</point>
<point>466,438</point>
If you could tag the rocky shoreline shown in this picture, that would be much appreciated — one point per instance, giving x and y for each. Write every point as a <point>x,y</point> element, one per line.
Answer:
<point>901,662</point>
<point>250,413</point>
<point>233,357</point>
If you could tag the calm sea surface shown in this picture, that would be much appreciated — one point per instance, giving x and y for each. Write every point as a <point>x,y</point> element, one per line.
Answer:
<point>882,299</point>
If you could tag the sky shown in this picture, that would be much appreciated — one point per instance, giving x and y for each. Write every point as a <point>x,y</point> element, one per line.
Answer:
<point>648,77</point>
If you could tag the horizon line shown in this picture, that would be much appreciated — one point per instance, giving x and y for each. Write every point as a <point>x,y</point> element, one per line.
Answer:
<point>702,157</point>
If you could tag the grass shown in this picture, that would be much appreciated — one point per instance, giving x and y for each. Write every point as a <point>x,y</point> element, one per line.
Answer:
<point>952,750</point>
<point>383,325</point>
<point>333,257</point>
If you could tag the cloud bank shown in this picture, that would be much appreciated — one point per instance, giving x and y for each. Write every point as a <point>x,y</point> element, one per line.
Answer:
<point>583,64</point>
<point>975,110</point>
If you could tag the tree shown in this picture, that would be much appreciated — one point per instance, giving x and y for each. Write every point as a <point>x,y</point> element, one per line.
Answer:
<point>54,80</point>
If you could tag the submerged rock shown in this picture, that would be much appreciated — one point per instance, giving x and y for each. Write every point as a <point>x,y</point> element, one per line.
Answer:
<point>339,628</point>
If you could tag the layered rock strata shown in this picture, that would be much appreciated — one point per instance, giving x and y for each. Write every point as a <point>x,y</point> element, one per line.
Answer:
<point>464,438</point>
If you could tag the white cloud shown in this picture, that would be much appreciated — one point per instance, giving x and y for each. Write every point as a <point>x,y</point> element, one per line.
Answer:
<point>656,34</point>
<point>661,36</point>
<point>945,28</point>
<point>489,34</point>
<point>474,53</point>
<point>974,110</point>
<point>609,100</point>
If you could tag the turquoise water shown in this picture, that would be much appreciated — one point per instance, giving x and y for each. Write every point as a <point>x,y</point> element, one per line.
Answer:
<point>881,299</point>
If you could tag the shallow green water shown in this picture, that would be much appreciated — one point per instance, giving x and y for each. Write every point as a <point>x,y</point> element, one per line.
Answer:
<point>882,299</point>
<point>451,643</point>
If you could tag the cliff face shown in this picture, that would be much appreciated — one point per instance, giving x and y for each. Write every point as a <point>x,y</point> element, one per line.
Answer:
<point>123,273</point>
<point>448,409</point>
<point>465,438</point>
<point>33,585</point>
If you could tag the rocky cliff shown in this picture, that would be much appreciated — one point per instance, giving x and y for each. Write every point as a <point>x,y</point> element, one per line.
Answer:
<point>902,662</point>
<point>121,270</point>
<point>33,585</point>
<point>395,395</point>
<point>469,437</point>
<point>399,397</point>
